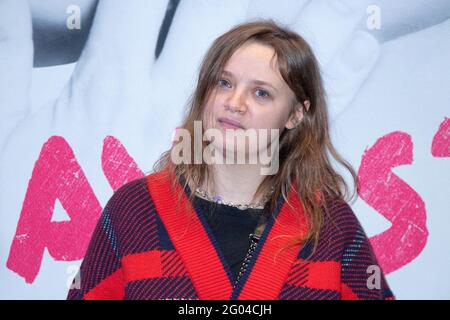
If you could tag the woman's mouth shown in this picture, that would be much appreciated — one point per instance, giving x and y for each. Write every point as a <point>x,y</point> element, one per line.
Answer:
<point>229,124</point>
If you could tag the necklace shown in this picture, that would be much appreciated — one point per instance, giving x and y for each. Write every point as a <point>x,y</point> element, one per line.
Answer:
<point>218,199</point>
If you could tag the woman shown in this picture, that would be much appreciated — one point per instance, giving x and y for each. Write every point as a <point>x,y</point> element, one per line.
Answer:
<point>203,226</point>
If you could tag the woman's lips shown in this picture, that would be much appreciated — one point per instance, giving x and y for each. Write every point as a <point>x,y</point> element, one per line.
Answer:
<point>229,124</point>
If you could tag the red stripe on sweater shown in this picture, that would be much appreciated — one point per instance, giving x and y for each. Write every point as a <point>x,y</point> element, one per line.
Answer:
<point>347,293</point>
<point>324,275</point>
<point>143,265</point>
<point>110,288</point>
<point>272,267</point>
<point>189,239</point>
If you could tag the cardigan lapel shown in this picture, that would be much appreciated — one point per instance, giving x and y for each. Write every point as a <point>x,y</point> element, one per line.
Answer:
<point>190,240</point>
<point>201,258</point>
<point>267,275</point>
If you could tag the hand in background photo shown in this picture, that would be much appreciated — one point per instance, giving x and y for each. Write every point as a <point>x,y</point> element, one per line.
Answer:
<point>16,63</point>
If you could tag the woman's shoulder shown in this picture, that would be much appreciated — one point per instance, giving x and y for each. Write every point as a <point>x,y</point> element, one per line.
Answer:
<point>128,215</point>
<point>340,208</point>
<point>341,217</point>
<point>139,190</point>
<point>124,198</point>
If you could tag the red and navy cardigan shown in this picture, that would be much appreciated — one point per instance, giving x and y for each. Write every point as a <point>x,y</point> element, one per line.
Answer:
<point>143,248</point>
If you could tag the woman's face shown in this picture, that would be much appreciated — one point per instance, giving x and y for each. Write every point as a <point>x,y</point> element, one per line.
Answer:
<point>252,93</point>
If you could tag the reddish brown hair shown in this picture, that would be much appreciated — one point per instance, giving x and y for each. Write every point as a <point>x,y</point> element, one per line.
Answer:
<point>305,151</point>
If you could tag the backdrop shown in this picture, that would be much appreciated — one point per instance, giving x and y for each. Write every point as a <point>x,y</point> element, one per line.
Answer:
<point>90,94</point>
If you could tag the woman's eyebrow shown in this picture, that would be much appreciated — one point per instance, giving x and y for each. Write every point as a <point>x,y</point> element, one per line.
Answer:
<point>255,81</point>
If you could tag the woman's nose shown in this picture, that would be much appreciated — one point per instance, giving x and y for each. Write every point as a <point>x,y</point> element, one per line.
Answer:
<point>236,102</point>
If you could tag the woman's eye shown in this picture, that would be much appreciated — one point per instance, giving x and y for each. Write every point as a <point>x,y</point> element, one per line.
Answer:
<point>262,93</point>
<point>224,83</point>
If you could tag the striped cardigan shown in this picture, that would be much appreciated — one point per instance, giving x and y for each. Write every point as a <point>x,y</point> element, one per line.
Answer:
<point>142,248</point>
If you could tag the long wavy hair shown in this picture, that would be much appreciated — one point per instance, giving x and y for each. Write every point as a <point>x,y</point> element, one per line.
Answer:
<point>305,152</point>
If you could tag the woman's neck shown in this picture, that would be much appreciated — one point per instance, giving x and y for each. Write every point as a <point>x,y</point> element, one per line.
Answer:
<point>235,183</point>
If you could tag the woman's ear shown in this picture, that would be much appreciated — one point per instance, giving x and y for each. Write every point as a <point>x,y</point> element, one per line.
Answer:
<point>306,104</point>
<point>297,116</point>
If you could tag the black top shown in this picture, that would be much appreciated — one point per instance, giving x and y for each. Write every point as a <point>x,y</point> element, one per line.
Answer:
<point>231,227</point>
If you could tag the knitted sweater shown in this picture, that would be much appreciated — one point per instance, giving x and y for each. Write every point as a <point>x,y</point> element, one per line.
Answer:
<point>143,248</point>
